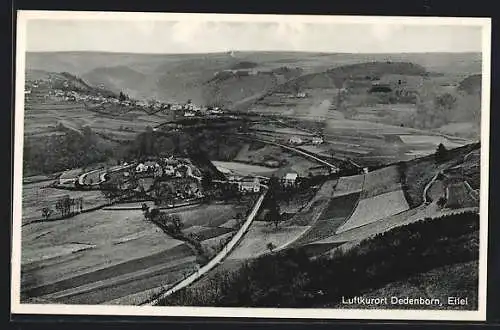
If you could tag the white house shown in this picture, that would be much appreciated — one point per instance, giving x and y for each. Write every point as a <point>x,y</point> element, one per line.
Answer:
<point>290,179</point>
<point>141,168</point>
<point>188,114</point>
<point>169,170</point>
<point>317,140</point>
<point>249,185</point>
<point>295,140</point>
<point>215,111</point>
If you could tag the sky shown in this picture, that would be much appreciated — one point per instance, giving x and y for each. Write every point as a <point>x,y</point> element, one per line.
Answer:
<point>205,36</point>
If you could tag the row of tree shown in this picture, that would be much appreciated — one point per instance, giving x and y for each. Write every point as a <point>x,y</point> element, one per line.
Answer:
<point>66,206</point>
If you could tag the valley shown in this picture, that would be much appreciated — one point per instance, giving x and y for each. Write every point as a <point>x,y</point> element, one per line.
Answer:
<point>170,180</point>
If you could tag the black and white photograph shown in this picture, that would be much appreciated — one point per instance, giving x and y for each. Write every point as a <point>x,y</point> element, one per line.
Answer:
<point>230,165</point>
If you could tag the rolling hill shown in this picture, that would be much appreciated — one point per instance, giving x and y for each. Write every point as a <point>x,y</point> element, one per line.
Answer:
<point>471,84</point>
<point>181,76</point>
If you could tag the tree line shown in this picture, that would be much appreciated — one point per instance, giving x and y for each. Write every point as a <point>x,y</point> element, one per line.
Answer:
<point>65,206</point>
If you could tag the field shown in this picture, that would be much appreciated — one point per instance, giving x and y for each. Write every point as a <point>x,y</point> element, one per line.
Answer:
<point>436,190</point>
<point>259,235</point>
<point>36,196</point>
<point>349,184</point>
<point>381,181</point>
<point>333,216</point>
<point>376,208</point>
<point>41,118</point>
<point>286,161</point>
<point>315,206</point>
<point>119,254</point>
<point>213,215</point>
<point>429,139</point>
<point>459,196</point>
<point>243,169</point>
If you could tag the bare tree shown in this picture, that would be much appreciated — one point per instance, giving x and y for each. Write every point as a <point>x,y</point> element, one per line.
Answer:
<point>47,212</point>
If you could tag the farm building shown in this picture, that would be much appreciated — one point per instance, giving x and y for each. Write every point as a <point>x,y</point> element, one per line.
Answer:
<point>295,140</point>
<point>69,179</point>
<point>317,140</point>
<point>249,185</point>
<point>169,170</point>
<point>141,168</point>
<point>290,179</point>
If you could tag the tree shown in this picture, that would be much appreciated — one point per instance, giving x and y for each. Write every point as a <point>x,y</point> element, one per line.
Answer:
<point>122,97</point>
<point>270,246</point>
<point>206,181</point>
<point>59,207</point>
<point>176,221</point>
<point>154,214</point>
<point>145,210</point>
<point>46,212</point>
<point>273,214</point>
<point>239,218</point>
<point>67,202</point>
<point>441,153</point>
<point>441,202</point>
<point>446,101</point>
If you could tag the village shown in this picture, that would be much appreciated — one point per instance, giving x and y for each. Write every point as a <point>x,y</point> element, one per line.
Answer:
<point>47,91</point>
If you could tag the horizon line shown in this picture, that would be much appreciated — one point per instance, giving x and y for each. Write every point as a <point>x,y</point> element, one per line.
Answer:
<point>251,51</point>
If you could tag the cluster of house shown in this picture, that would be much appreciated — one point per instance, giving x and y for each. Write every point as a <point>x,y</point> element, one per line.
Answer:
<point>251,184</point>
<point>168,167</point>
<point>298,140</point>
<point>179,188</point>
<point>191,110</point>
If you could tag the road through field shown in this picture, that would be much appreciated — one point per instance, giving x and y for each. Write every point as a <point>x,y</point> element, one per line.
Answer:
<point>218,258</point>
